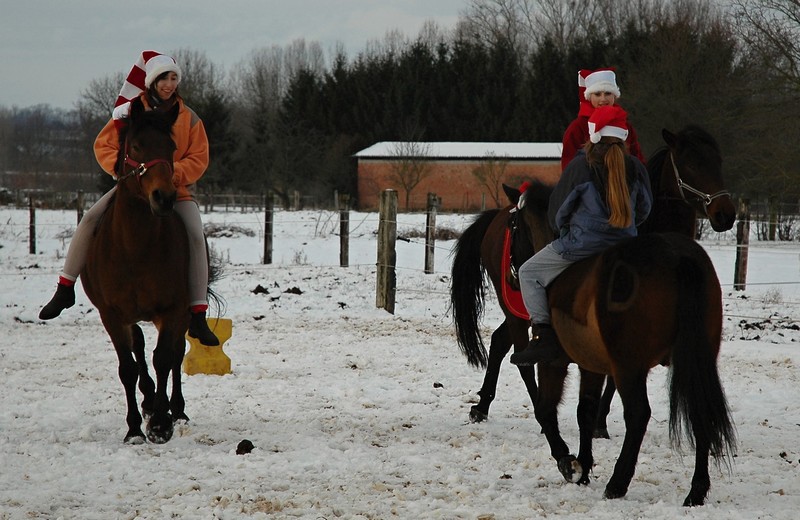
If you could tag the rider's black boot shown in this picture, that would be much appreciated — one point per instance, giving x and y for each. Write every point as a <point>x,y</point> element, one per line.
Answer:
<point>64,298</point>
<point>543,346</point>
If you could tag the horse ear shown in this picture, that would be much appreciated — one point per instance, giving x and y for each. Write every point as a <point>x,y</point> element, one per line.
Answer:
<point>137,108</point>
<point>173,113</point>
<point>511,193</point>
<point>669,137</point>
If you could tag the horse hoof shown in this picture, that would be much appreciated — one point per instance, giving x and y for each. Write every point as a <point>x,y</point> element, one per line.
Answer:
<point>692,500</point>
<point>476,415</point>
<point>160,432</point>
<point>601,433</point>
<point>570,468</point>
<point>180,417</point>
<point>134,437</point>
<point>614,493</point>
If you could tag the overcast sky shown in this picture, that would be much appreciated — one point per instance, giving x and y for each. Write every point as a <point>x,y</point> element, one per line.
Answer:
<point>51,49</point>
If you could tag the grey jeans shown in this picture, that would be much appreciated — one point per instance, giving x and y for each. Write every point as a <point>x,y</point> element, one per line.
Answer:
<point>189,213</point>
<point>534,277</point>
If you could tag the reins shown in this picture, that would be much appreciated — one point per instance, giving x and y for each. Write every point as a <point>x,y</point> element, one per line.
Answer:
<point>703,197</point>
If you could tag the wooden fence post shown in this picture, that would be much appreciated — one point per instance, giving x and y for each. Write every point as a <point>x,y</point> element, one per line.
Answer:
<point>268,206</point>
<point>344,230</point>
<point>31,226</point>
<point>742,245</point>
<point>430,232</point>
<point>387,256</point>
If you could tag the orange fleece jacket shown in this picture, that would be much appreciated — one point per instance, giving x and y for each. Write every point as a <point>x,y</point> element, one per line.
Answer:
<point>191,152</point>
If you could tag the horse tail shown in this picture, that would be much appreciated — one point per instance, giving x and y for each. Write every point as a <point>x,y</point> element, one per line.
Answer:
<point>216,267</point>
<point>697,400</point>
<point>467,289</point>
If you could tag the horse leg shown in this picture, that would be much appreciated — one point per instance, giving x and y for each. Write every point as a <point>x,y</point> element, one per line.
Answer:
<point>601,424</point>
<point>498,348</point>
<point>146,385</point>
<point>551,388</point>
<point>589,395</point>
<point>701,482</point>
<point>520,337</point>
<point>160,425</point>
<point>128,374</point>
<point>636,412</point>
<point>176,401</point>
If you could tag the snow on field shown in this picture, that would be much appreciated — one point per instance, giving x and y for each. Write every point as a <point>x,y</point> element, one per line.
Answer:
<point>354,412</point>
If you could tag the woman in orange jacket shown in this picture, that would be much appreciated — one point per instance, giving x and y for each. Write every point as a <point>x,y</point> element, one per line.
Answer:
<point>154,79</point>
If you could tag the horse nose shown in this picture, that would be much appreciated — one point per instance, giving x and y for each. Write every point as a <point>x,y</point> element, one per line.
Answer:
<point>162,202</point>
<point>722,220</point>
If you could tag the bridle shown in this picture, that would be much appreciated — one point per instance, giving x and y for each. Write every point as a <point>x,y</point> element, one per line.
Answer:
<point>703,197</point>
<point>139,168</point>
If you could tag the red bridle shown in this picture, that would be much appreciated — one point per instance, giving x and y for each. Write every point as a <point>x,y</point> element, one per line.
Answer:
<point>140,169</point>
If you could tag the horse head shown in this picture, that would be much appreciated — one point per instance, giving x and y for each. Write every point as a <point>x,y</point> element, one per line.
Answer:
<point>147,164</point>
<point>532,206</point>
<point>696,162</point>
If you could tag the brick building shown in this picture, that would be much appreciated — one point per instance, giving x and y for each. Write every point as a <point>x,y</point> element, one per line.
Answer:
<point>452,171</point>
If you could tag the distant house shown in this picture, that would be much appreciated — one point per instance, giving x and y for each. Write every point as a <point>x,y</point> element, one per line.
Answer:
<point>465,176</point>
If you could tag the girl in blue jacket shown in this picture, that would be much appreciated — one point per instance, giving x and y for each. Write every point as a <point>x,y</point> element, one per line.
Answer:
<point>603,194</point>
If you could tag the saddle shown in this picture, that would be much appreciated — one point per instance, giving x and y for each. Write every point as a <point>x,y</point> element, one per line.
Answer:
<point>512,296</point>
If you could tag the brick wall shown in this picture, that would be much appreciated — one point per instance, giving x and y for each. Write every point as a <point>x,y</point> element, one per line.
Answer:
<point>452,181</point>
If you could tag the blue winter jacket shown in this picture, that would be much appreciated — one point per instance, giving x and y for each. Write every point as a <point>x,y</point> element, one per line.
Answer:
<point>579,214</point>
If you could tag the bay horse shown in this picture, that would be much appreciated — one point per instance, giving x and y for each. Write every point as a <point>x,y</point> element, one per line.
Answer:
<point>651,300</point>
<point>137,270</point>
<point>686,178</point>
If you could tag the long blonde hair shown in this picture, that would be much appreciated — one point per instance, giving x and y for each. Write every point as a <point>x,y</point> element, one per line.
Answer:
<point>610,152</point>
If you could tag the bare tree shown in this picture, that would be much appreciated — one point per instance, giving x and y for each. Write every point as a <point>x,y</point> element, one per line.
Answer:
<point>410,164</point>
<point>527,23</point>
<point>771,30</point>
<point>260,84</point>
<point>200,77</point>
<point>491,172</point>
<point>6,131</point>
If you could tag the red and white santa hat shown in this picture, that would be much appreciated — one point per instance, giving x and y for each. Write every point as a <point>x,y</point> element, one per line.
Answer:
<point>600,80</point>
<point>608,121</point>
<point>149,66</point>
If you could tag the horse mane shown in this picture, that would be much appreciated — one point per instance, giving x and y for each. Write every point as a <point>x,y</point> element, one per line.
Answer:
<point>139,120</point>
<point>698,137</point>
<point>654,165</point>
<point>537,196</point>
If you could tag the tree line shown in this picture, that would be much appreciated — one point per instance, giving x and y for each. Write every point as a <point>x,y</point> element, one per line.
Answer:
<point>289,118</point>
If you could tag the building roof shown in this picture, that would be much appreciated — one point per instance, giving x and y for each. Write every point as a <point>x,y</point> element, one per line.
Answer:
<point>460,150</point>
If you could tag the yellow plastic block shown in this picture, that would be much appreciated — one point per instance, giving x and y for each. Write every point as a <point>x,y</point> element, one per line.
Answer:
<point>209,360</point>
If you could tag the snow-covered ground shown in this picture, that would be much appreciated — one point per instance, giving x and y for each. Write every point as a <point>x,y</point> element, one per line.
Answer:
<point>354,412</point>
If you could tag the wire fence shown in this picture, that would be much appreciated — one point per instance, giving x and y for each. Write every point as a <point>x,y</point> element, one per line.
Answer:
<point>411,230</point>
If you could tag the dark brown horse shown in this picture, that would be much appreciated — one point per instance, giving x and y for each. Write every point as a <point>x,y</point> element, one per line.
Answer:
<point>137,271</point>
<point>681,193</point>
<point>686,176</point>
<point>654,299</point>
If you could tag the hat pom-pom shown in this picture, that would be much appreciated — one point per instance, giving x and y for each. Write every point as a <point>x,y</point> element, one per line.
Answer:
<point>595,137</point>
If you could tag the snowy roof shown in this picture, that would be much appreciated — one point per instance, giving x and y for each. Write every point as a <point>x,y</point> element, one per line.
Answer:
<point>461,150</point>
